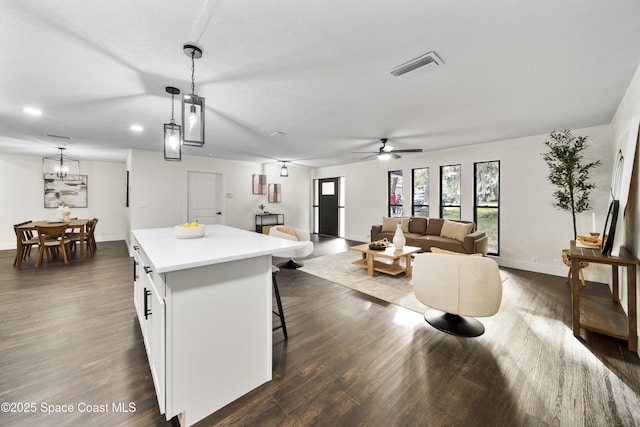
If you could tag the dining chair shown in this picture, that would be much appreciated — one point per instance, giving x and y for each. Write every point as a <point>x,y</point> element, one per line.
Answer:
<point>26,239</point>
<point>53,237</point>
<point>89,237</point>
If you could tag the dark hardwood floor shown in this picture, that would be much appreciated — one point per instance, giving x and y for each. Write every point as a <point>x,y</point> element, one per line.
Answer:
<point>68,336</point>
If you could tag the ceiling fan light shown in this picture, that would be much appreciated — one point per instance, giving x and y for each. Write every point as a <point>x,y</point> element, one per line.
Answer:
<point>384,156</point>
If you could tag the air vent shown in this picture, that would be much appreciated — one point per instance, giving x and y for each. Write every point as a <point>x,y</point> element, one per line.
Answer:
<point>59,137</point>
<point>417,66</point>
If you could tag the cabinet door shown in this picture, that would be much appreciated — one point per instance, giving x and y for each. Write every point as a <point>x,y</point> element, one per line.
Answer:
<point>156,340</point>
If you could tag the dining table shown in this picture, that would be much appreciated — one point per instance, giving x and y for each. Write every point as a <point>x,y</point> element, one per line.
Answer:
<point>72,224</point>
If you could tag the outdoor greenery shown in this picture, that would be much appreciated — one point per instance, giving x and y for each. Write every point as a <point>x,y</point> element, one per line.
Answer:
<point>569,173</point>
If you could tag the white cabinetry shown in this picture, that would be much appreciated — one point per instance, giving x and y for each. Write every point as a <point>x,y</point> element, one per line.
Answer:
<point>148,299</point>
<point>204,306</point>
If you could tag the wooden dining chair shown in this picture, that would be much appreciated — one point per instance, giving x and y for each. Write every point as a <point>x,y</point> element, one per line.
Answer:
<point>53,237</point>
<point>25,240</point>
<point>89,237</point>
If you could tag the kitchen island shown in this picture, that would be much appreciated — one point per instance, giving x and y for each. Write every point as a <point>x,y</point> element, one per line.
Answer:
<point>205,310</point>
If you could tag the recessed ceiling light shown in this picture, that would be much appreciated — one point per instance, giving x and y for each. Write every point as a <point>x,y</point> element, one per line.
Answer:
<point>32,111</point>
<point>137,128</point>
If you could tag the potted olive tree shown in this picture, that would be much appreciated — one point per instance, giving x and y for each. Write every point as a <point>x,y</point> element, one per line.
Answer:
<point>569,173</point>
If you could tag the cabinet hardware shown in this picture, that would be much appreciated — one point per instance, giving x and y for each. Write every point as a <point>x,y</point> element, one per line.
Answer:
<point>147,310</point>
<point>135,270</point>
<point>147,269</point>
<point>135,247</point>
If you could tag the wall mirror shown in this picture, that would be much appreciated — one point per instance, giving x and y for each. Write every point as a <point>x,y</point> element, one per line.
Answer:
<point>609,231</point>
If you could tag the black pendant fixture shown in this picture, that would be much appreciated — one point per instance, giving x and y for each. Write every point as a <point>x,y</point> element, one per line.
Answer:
<point>172,132</point>
<point>192,105</point>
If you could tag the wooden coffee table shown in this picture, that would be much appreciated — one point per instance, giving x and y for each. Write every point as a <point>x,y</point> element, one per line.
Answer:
<point>369,262</point>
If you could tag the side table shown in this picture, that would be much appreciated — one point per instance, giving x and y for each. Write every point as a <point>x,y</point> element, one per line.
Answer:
<point>604,319</point>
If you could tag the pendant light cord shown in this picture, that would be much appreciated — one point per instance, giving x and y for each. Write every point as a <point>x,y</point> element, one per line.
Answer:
<point>172,120</point>
<point>193,72</point>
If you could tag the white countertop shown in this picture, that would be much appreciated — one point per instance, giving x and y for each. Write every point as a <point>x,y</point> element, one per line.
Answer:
<point>219,244</point>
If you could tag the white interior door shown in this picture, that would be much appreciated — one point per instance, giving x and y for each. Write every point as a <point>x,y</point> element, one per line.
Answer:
<point>205,198</point>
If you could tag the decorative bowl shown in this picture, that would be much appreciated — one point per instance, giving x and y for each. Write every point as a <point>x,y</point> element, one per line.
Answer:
<point>376,247</point>
<point>189,232</point>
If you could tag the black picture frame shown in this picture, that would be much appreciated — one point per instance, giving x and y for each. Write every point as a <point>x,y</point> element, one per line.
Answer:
<point>610,226</point>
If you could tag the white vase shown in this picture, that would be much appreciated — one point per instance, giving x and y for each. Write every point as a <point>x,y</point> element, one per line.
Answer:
<point>398,238</point>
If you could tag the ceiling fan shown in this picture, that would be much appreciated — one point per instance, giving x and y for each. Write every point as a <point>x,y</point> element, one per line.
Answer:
<point>386,152</point>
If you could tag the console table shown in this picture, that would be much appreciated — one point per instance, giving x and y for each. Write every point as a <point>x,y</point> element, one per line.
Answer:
<point>606,319</point>
<point>267,220</point>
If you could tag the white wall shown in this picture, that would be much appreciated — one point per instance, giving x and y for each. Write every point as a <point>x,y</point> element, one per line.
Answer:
<point>629,108</point>
<point>22,193</point>
<point>529,225</point>
<point>158,190</point>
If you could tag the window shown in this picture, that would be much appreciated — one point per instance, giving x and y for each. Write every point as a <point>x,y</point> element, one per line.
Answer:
<point>450,192</point>
<point>395,193</point>
<point>487,202</point>
<point>420,194</point>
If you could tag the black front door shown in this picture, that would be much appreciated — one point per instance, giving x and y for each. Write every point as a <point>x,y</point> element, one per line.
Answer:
<point>328,204</point>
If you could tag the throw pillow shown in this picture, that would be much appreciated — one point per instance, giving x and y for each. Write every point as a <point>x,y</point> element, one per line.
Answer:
<point>444,251</point>
<point>405,224</point>
<point>302,235</point>
<point>389,224</point>
<point>286,229</point>
<point>455,230</point>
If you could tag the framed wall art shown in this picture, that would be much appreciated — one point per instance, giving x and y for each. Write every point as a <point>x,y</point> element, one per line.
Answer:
<point>259,184</point>
<point>70,191</point>
<point>275,193</point>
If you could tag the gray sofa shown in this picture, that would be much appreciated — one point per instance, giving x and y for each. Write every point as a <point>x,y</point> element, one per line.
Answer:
<point>428,232</point>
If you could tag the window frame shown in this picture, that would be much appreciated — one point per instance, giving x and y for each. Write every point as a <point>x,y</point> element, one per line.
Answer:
<point>425,199</point>
<point>389,205</point>
<point>442,204</point>
<point>476,205</point>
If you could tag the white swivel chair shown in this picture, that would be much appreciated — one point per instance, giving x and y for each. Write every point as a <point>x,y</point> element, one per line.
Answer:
<point>457,286</point>
<point>296,234</point>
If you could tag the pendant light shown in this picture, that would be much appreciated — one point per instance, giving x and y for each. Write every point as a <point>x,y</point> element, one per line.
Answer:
<point>172,132</point>
<point>192,105</point>
<point>59,166</point>
<point>284,171</point>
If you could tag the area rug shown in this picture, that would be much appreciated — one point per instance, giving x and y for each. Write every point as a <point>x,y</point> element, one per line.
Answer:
<point>338,268</point>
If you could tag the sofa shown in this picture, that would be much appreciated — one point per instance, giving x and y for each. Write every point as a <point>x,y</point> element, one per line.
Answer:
<point>426,233</point>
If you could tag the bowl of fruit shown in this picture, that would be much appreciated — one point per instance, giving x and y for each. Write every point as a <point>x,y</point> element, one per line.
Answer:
<point>379,245</point>
<point>189,230</point>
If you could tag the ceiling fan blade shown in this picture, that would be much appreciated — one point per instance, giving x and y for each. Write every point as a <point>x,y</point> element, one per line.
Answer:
<point>368,157</point>
<point>409,150</point>
<point>364,152</point>
<point>395,156</point>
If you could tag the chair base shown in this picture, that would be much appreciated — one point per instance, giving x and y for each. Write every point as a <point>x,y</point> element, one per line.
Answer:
<point>454,324</point>
<point>291,264</point>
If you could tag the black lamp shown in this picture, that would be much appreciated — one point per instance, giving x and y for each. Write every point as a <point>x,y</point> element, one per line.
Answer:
<point>192,105</point>
<point>172,132</point>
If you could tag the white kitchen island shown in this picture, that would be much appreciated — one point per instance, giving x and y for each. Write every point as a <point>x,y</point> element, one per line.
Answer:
<point>205,310</point>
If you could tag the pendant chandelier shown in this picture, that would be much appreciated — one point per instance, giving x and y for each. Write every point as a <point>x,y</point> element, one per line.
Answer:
<point>284,171</point>
<point>192,105</point>
<point>59,166</point>
<point>172,132</point>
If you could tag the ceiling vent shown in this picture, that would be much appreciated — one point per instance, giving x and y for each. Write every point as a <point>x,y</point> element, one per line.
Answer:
<point>59,137</point>
<point>417,66</point>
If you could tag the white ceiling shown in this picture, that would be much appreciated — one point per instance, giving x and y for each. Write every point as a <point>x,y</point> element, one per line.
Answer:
<point>316,70</point>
